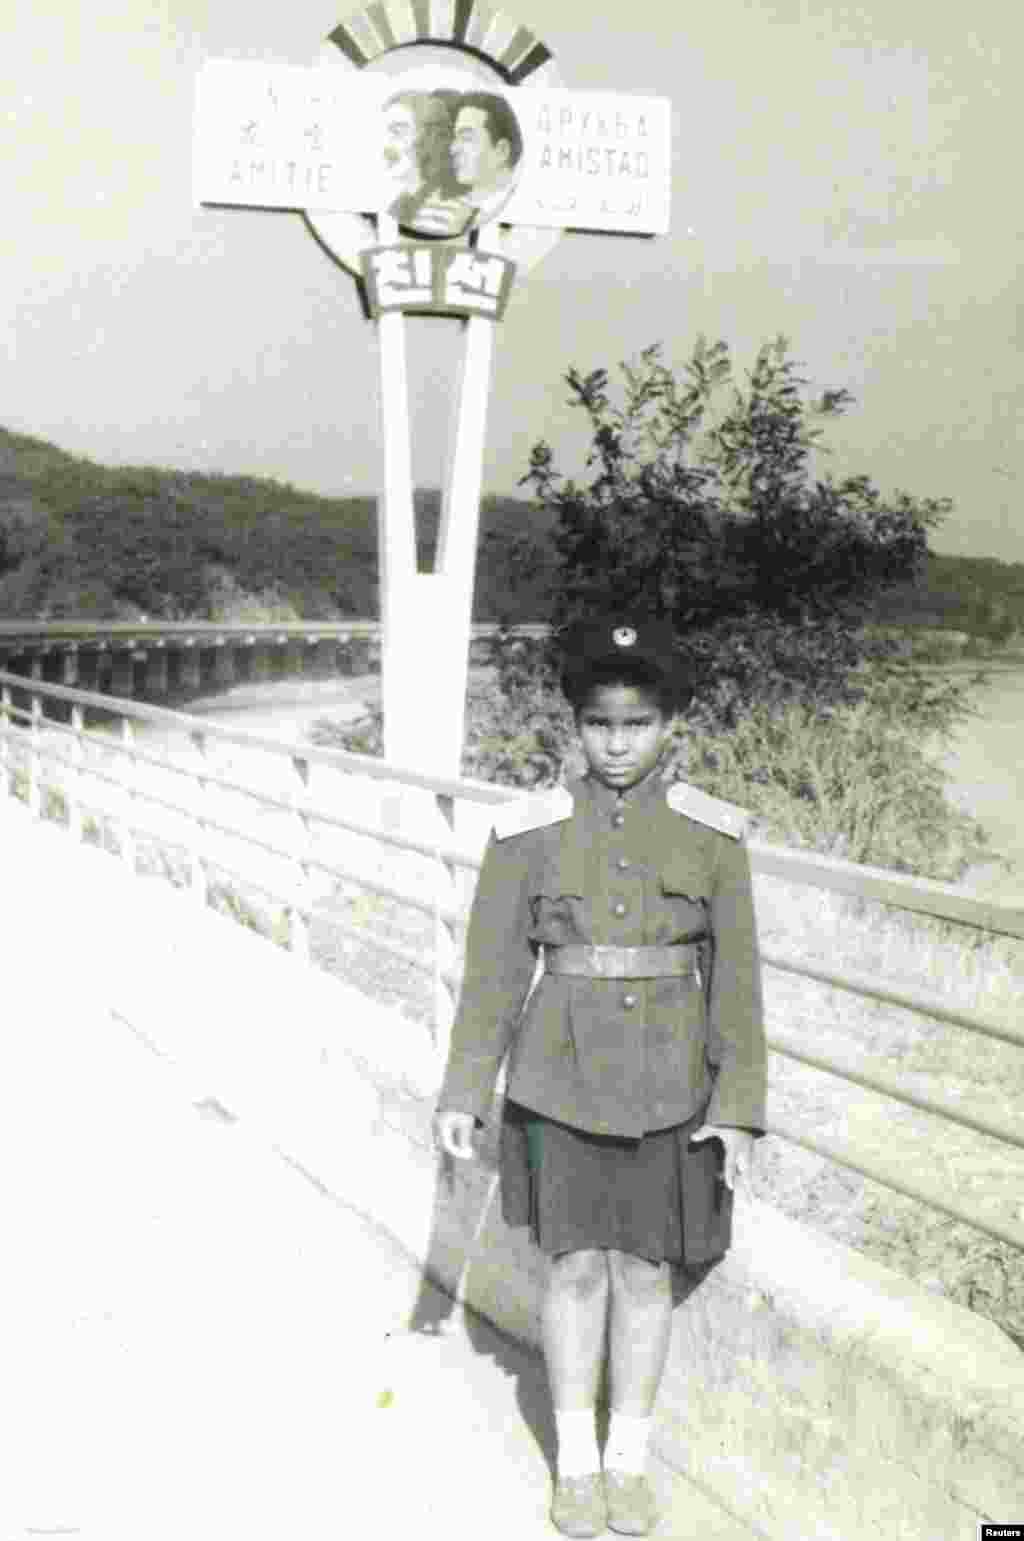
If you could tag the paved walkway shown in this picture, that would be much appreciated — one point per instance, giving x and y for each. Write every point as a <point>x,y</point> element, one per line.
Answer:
<point>198,1344</point>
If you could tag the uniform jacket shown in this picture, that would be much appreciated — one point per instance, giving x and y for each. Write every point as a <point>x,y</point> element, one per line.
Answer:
<point>614,1056</point>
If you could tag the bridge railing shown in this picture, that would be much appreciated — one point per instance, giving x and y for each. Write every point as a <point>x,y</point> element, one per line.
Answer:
<point>303,812</point>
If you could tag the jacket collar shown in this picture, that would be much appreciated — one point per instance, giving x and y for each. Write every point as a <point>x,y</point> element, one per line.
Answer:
<point>645,795</point>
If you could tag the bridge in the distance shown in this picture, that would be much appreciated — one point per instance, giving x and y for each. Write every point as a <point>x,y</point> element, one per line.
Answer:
<point>170,658</point>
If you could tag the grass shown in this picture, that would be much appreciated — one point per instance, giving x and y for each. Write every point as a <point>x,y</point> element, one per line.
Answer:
<point>857,785</point>
<point>974,970</point>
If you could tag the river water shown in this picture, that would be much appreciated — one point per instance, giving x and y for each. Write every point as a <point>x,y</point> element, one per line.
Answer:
<point>986,767</point>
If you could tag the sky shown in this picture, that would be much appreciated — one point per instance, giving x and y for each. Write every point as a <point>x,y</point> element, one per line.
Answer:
<point>842,173</point>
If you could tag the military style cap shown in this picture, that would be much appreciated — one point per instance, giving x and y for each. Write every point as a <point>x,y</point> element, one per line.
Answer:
<point>619,638</point>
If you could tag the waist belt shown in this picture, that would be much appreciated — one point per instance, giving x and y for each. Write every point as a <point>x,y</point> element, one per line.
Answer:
<point>600,962</point>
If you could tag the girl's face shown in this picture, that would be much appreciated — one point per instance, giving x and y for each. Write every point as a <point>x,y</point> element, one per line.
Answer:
<point>623,731</point>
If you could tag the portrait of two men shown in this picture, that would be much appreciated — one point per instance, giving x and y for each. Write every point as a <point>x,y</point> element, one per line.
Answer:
<point>452,159</point>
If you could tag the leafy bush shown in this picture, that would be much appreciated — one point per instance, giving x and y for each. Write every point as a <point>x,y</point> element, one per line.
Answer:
<point>701,503</point>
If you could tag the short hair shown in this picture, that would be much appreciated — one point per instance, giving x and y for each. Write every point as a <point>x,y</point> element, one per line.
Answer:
<point>433,120</point>
<point>499,119</point>
<point>669,692</point>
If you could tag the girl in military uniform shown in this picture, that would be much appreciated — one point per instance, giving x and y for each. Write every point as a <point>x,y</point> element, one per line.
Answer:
<point>636,1060</point>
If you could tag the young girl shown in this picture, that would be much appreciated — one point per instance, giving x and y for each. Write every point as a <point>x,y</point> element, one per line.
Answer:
<point>636,1075</point>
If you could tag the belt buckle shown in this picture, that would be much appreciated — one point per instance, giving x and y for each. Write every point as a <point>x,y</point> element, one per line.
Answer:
<point>602,959</point>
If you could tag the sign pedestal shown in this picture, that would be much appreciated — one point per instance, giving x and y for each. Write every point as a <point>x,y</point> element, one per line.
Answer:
<point>426,617</point>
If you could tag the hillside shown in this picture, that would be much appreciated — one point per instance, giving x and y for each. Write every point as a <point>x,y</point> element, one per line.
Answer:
<point>82,539</point>
<point>78,538</point>
<point>979,595</point>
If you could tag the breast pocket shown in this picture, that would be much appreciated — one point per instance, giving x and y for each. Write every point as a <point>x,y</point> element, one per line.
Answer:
<point>556,894</point>
<point>683,905</point>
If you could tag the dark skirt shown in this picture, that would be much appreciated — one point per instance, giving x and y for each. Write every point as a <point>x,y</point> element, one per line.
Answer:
<point>657,1197</point>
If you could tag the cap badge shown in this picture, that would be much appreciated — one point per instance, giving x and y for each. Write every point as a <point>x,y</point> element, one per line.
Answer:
<point>624,636</point>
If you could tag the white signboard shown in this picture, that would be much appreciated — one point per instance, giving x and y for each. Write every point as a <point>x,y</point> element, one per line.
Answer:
<point>439,157</point>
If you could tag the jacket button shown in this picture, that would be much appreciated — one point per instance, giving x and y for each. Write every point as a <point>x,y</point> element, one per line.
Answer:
<point>629,1001</point>
<point>623,863</point>
<point>618,819</point>
<point>619,909</point>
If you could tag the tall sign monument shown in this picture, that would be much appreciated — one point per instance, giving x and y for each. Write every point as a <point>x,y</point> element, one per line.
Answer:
<point>435,151</point>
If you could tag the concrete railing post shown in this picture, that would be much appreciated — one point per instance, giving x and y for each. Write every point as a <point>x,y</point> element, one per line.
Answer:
<point>197,876</point>
<point>5,741</point>
<point>127,817</point>
<point>301,909</point>
<point>35,770</point>
<point>73,780</point>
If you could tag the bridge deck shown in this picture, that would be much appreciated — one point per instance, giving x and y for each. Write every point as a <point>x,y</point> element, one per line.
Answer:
<point>204,1347</point>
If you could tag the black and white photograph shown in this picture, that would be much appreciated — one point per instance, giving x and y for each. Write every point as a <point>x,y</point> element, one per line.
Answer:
<point>511,771</point>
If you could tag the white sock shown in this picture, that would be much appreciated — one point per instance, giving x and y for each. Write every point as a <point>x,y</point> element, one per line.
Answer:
<point>578,1454</point>
<point>626,1449</point>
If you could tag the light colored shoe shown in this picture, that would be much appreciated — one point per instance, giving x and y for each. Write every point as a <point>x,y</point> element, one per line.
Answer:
<point>632,1510</point>
<point>578,1507</point>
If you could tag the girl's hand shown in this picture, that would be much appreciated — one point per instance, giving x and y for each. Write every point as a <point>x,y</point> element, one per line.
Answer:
<point>454,1134</point>
<point>739,1150</point>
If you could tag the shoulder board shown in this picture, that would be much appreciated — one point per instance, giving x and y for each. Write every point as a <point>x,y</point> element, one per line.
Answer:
<point>535,811</point>
<point>727,818</point>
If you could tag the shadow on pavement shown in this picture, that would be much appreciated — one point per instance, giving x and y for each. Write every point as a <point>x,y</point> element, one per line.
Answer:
<point>463,1262</point>
<point>466,1206</point>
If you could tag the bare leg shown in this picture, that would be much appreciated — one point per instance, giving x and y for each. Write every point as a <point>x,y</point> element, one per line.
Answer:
<point>641,1327</point>
<point>573,1327</point>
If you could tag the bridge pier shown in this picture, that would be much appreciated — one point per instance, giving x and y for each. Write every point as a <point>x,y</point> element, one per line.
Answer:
<point>87,669</point>
<point>154,659</point>
<point>259,663</point>
<point>357,655</point>
<point>224,671</point>
<point>323,658</point>
<point>189,672</point>
<point>122,673</point>
<point>156,672</point>
<point>183,669</point>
